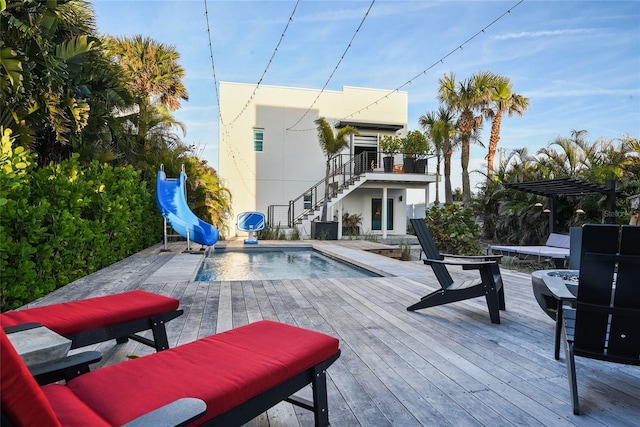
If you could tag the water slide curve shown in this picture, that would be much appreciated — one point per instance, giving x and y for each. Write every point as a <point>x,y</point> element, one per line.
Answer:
<point>172,203</point>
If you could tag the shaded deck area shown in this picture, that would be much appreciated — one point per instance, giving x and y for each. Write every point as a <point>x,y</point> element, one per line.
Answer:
<point>444,366</point>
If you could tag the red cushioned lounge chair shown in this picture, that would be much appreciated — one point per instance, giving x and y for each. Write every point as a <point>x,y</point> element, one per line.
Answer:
<point>94,320</point>
<point>238,375</point>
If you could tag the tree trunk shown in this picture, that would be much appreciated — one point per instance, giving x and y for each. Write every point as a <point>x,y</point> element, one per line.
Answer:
<point>437,181</point>
<point>448,194</point>
<point>464,161</point>
<point>467,123</point>
<point>325,202</point>
<point>493,142</point>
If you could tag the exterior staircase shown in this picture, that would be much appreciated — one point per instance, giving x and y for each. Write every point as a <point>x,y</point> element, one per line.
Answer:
<point>346,176</point>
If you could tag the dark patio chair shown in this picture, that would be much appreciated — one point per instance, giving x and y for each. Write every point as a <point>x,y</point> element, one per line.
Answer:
<point>605,323</point>
<point>489,285</point>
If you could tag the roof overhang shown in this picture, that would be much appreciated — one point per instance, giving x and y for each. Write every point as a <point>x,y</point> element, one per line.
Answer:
<point>370,126</point>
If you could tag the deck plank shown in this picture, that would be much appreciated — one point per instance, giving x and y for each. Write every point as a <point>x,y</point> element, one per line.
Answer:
<point>445,366</point>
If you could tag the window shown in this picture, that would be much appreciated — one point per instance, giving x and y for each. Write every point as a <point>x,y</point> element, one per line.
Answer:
<point>258,139</point>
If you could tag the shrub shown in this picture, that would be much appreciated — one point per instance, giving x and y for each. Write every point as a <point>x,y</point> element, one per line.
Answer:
<point>62,222</point>
<point>454,229</point>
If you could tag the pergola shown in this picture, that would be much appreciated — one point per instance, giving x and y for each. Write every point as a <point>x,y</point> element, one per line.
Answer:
<point>562,187</point>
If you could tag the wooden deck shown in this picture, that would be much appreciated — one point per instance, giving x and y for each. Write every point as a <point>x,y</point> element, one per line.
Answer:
<point>441,366</point>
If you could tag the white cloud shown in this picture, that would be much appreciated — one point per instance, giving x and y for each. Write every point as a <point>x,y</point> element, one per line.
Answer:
<point>546,33</point>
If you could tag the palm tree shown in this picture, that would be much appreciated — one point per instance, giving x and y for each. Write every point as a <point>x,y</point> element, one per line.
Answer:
<point>502,100</point>
<point>331,145</point>
<point>441,126</point>
<point>571,160</point>
<point>154,78</point>
<point>465,97</point>
<point>152,69</point>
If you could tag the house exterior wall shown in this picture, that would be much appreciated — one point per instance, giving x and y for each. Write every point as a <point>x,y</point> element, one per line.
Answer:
<point>360,201</point>
<point>291,161</point>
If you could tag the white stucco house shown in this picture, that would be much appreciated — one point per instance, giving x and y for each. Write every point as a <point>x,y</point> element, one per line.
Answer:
<point>271,161</point>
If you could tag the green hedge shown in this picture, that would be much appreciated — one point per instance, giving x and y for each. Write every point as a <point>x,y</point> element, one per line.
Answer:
<point>64,221</point>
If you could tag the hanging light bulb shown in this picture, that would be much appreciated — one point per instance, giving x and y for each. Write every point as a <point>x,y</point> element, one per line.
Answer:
<point>579,211</point>
<point>537,205</point>
<point>546,210</point>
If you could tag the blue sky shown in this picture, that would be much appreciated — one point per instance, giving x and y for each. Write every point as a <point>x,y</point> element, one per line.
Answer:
<point>578,62</point>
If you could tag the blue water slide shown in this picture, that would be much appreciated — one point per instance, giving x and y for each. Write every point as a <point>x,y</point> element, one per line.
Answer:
<point>172,203</point>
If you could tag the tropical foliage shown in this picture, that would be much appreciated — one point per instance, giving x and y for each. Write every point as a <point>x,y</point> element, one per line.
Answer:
<point>500,100</point>
<point>454,228</point>
<point>509,216</point>
<point>441,127</point>
<point>65,90</point>
<point>331,145</point>
<point>88,111</point>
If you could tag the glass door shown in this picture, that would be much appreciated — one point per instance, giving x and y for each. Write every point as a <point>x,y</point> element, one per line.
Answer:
<point>376,214</point>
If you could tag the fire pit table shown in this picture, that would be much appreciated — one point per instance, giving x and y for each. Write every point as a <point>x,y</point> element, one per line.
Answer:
<point>544,296</point>
<point>552,289</point>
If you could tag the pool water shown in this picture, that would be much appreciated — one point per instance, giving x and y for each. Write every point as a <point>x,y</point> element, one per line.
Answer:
<point>275,264</point>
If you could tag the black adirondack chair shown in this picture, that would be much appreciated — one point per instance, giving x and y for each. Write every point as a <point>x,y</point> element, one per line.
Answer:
<point>605,323</point>
<point>489,285</point>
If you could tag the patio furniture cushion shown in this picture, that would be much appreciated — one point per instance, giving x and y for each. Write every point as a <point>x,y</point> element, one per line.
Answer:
<point>20,396</point>
<point>556,240</point>
<point>224,370</point>
<point>70,410</point>
<point>69,318</point>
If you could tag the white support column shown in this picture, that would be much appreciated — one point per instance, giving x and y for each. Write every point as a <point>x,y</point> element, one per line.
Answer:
<point>338,208</point>
<point>384,212</point>
<point>426,196</point>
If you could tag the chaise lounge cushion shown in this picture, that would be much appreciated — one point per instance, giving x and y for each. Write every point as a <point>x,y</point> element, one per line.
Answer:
<point>70,318</point>
<point>224,370</point>
<point>20,396</point>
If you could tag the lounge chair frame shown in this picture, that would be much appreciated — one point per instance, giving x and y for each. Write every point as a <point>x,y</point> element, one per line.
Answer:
<point>489,285</point>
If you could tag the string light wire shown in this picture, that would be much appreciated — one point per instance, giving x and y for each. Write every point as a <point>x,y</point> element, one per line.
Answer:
<point>420,74</point>
<point>336,67</point>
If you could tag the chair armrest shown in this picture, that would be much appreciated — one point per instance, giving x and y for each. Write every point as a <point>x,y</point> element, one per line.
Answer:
<point>65,368</point>
<point>475,257</point>
<point>558,288</point>
<point>177,413</point>
<point>466,265</point>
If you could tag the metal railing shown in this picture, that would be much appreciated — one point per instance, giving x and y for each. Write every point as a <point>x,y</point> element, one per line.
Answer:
<point>345,169</point>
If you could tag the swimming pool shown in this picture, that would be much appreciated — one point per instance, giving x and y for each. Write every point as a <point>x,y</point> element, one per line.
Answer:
<point>275,264</point>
